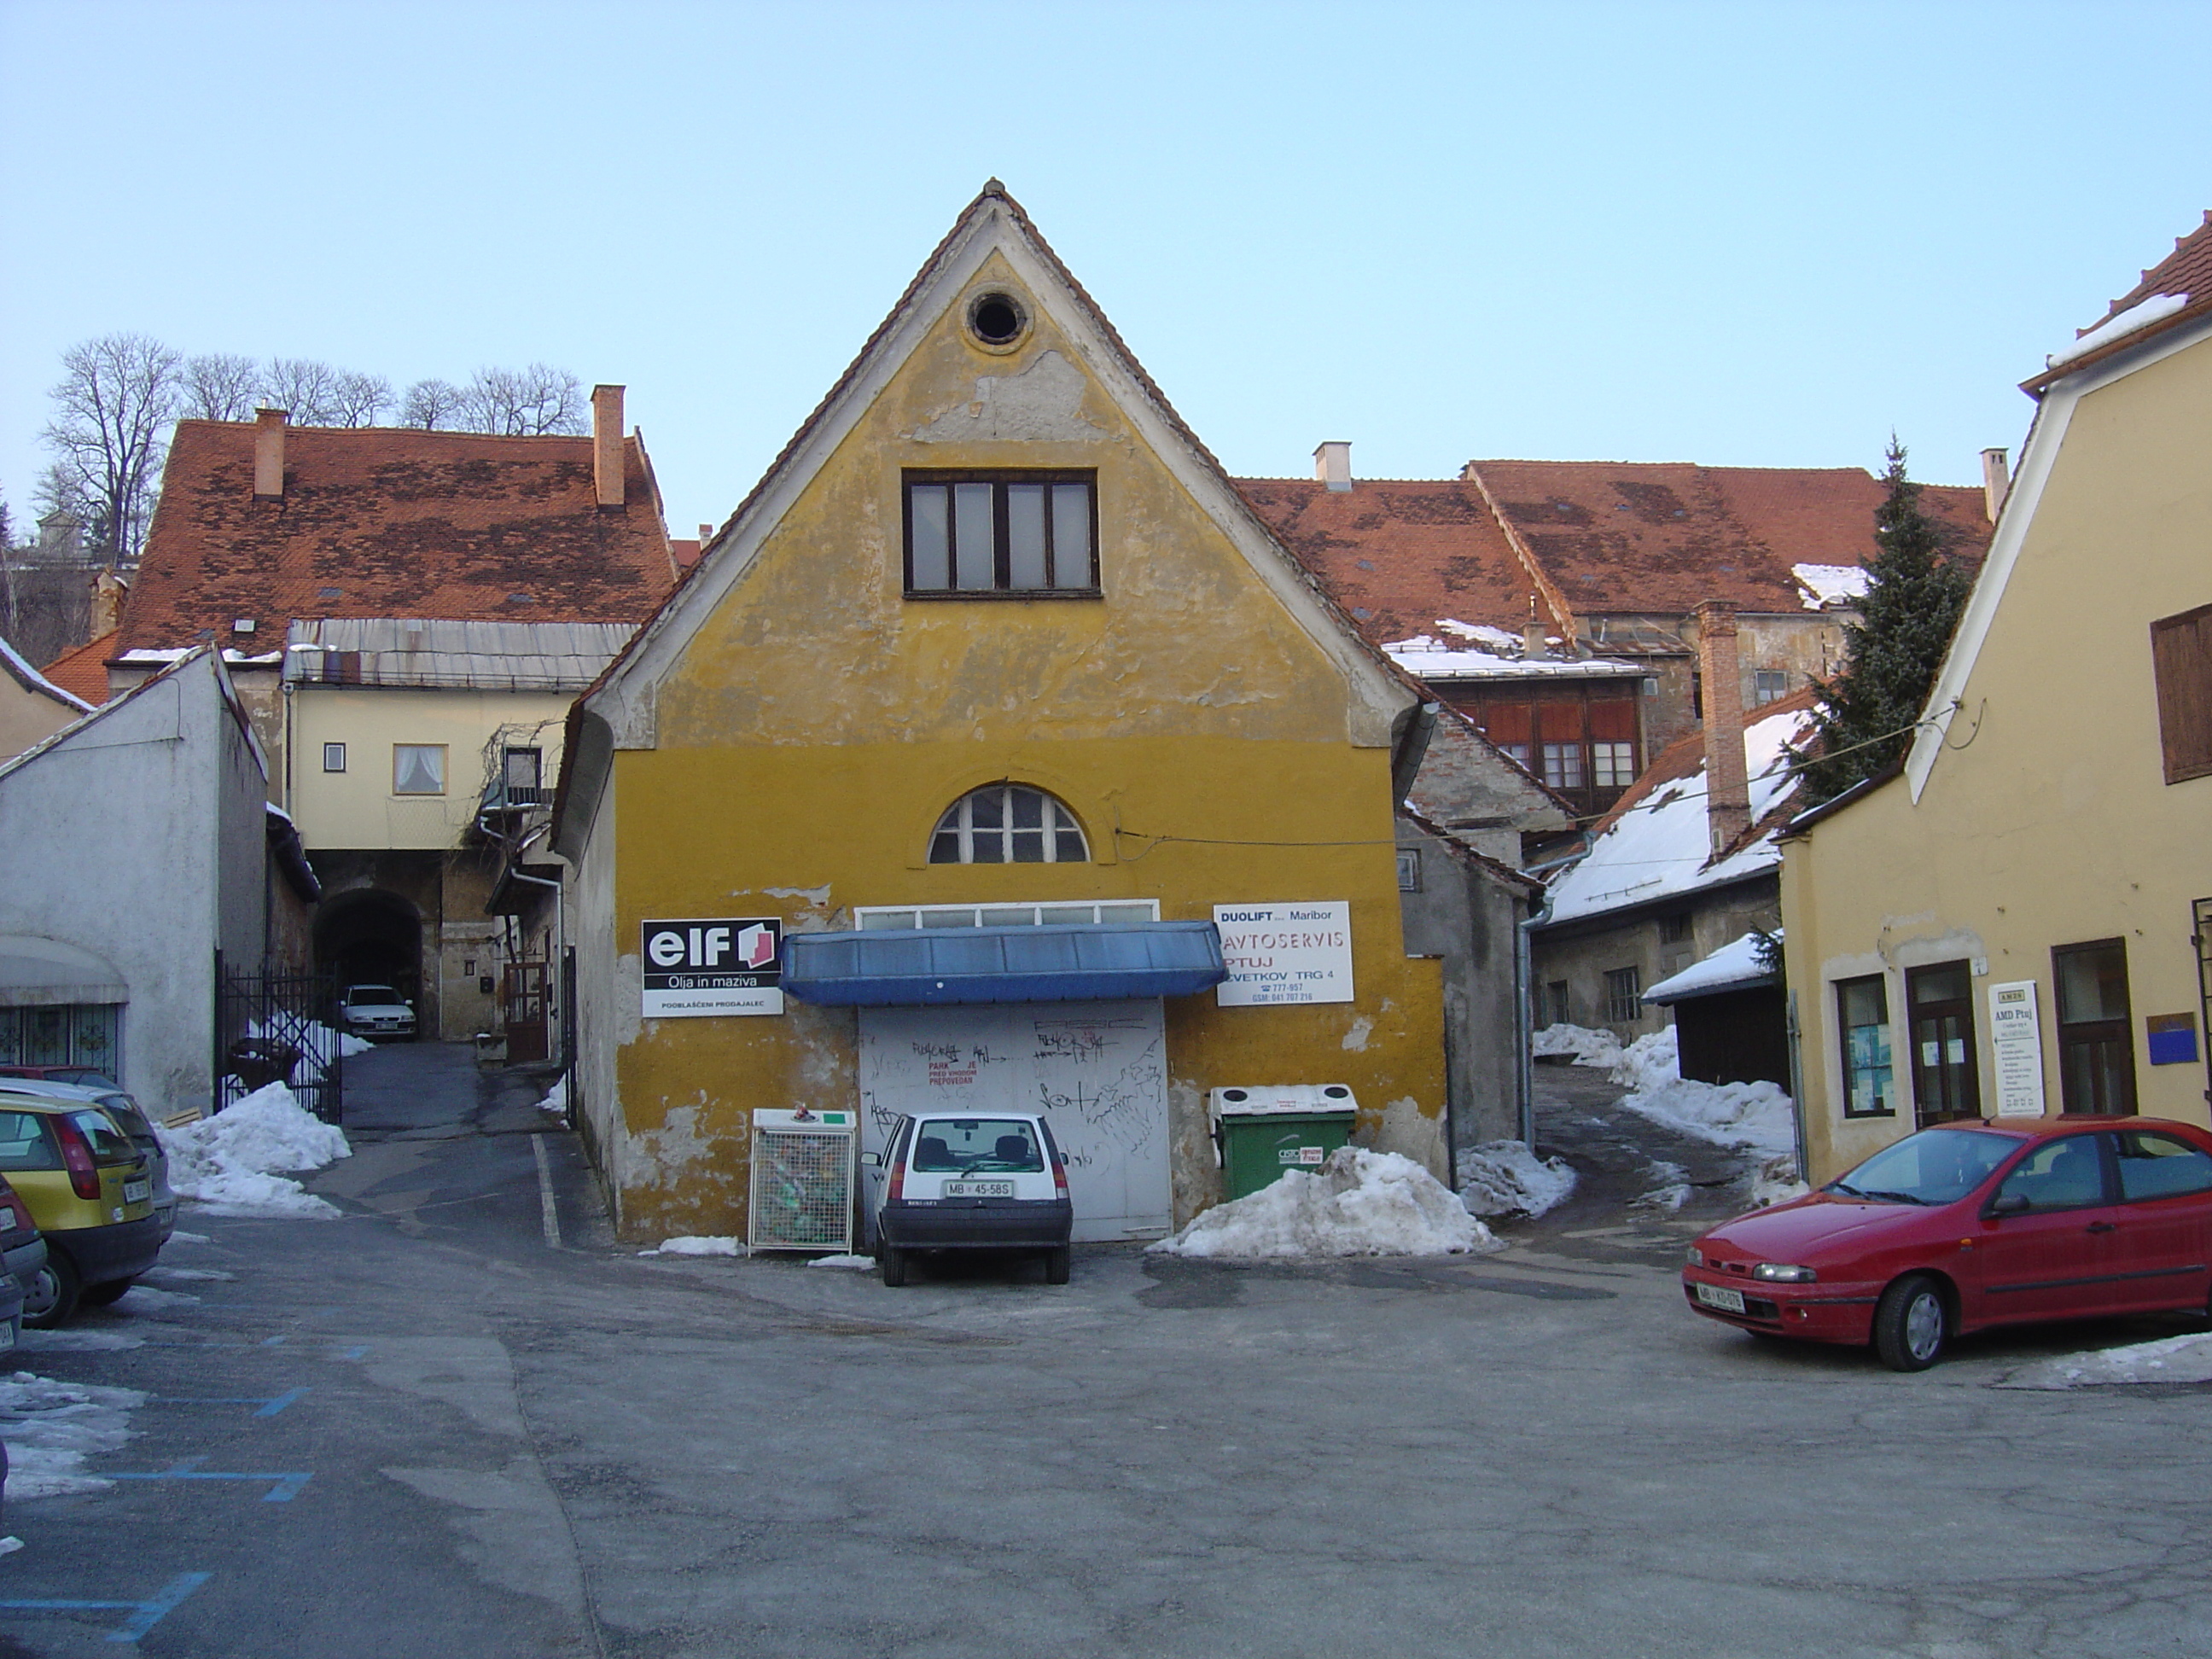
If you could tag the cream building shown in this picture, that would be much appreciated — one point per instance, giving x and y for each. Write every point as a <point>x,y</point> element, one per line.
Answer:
<point>2018,921</point>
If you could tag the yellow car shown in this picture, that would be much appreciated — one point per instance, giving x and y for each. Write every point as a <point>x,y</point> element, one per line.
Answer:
<point>91,1194</point>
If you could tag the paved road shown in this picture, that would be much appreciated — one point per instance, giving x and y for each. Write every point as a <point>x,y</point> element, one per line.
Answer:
<point>508,1448</point>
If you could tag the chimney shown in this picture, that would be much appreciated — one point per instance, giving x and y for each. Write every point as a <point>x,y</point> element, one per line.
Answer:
<point>1332,464</point>
<point>1996,483</point>
<point>1728,792</point>
<point>1534,644</point>
<point>268,455</point>
<point>706,534</point>
<point>607,443</point>
<point>108,592</point>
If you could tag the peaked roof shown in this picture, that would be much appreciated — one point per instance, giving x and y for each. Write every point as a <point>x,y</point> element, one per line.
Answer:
<point>13,665</point>
<point>82,671</point>
<point>383,522</point>
<point>2184,276</point>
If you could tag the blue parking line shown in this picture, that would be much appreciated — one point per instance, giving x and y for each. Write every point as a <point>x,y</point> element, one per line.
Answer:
<point>286,1486</point>
<point>272,1407</point>
<point>269,1407</point>
<point>144,1615</point>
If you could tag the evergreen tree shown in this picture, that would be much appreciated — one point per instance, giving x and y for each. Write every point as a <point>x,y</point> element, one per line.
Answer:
<point>1914,595</point>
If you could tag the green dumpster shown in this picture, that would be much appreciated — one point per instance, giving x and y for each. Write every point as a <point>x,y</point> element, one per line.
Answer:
<point>1261,1133</point>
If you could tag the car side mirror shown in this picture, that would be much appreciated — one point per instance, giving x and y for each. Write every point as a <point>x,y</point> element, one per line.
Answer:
<point>2010,1204</point>
<point>873,1160</point>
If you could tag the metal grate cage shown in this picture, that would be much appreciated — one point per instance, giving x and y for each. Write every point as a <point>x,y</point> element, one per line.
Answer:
<point>802,1181</point>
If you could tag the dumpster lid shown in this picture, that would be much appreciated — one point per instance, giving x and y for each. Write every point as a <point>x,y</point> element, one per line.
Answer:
<point>1256,1100</point>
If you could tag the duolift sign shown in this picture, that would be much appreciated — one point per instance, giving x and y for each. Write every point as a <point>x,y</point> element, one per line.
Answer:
<point>701,969</point>
<point>1285,953</point>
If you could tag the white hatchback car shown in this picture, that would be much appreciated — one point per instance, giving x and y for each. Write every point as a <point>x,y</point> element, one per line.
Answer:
<point>375,1010</point>
<point>972,1183</point>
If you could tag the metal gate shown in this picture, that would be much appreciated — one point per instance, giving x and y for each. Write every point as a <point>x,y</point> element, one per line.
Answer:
<point>522,1010</point>
<point>278,1027</point>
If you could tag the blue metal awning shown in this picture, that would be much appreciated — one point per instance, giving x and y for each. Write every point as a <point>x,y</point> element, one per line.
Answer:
<point>917,967</point>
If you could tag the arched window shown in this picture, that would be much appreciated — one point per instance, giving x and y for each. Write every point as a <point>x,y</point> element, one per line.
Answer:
<point>1005,823</point>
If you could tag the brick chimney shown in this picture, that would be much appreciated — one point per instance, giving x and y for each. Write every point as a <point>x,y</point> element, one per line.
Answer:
<point>1996,483</point>
<point>607,443</point>
<point>1332,464</point>
<point>1728,791</point>
<point>108,591</point>
<point>268,455</point>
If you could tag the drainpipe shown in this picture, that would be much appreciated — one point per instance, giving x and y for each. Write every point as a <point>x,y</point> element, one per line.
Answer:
<point>1524,1019</point>
<point>560,918</point>
<point>1797,1083</point>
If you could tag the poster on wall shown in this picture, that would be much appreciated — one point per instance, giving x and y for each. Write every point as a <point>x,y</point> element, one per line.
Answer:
<point>703,968</point>
<point>1280,953</point>
<point>2016,1046</point>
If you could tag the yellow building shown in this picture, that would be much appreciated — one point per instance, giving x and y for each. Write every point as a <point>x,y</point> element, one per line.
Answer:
<point>994,644</point>
<point>2019,921</point>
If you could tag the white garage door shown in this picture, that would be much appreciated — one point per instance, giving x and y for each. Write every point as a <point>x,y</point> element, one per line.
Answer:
<point>1096,1070</point>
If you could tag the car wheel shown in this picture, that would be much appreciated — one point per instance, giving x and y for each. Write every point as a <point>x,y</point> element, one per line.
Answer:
<point>1055,1265</point>
<point>1912,1324</point>
<point>53,1293</point>
<point>101,1295</point>
<point>892,1261</point>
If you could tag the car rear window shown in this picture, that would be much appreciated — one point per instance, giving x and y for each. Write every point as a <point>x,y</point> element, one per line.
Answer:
<point>2153,1165</point>
<point>954,1146</point>
<point>24,1143</point>
<point>128,1118</point>
<point>109,1144</point>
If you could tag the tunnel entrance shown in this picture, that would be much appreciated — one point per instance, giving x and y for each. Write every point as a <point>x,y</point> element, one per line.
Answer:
<point>371,936</point>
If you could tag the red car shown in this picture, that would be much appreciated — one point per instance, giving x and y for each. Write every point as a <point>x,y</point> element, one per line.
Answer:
<point>1969,1225</point>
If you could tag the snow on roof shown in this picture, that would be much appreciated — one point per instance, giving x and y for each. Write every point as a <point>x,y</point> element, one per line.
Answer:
<point>2141,315</point>
<point>149,654</point>
<point>18,665</point>
<point>1662,846</point>
<point>1734,965</point>
<point>1428,658</point>
<point>1827,585</point>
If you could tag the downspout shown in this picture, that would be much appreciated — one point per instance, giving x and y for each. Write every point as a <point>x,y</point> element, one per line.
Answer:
<point>1796,1083</point>
<point>560,919</point>
<point>1524,1019</point>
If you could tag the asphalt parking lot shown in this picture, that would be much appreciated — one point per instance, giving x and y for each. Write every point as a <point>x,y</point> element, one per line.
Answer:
<point>428,1428</point>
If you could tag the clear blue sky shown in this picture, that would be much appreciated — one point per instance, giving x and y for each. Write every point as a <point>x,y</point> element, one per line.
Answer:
<point>1753,235</point>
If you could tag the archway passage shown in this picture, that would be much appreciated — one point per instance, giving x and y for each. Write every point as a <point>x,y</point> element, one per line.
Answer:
<point>371,936</point>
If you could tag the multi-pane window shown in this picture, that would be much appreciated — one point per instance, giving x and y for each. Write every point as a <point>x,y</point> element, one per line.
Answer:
<point>1001,532</point>
<point>63,1034</point>
<point>1623,995</point>
<point>1583,745</point>
<point>2096,1049</point>
<point>1562,765</point>
<point>1870,1073</point>
<point>1946,1074</point>
<point>333,757</point>
<point>418,769</point>
<point>1768,685</point>
<point>522,772</point>
<point>1613,765</point>
<point>1005,823</point>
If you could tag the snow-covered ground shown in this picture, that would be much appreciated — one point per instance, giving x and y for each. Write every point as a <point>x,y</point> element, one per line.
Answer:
<point>51,1427</point>
<point>697,1244</point>
<point>554,1102</point>
<point>231,1163</point>
<point>1503,1177</point>
<point>1357,1203</point>
<point>2186,1358</point>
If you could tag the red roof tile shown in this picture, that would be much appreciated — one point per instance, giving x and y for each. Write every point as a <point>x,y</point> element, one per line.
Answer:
<point>391,522</point>
<point>2187,270</point>
<point>83,672</point>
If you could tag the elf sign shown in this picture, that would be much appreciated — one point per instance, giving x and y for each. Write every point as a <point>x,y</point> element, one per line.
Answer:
<point>705,967</point>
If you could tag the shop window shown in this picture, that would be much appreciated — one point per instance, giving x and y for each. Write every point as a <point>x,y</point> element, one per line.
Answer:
<point>2181,662</point>
<point>977,534</point>
<point>418,769</point>
<point>333,757</point>
<point>1623,995</point>
<point>1945,1074</point>
<point>1862,1023</point>
<point>1005,823</point>
<point>2096,1049</point>
<point>1768,685</point>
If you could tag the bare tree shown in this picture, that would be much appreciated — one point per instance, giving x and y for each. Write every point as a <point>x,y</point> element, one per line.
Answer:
<point>360,399</point>
<point>221,385</point>
<point>113,405</point>
<point>525,403</point>
<point>433,405</point>
<point>306,390</point>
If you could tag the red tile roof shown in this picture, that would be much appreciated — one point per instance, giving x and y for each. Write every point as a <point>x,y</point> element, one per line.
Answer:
<point>381,521</point>
<point>83,672</point>
<point>2187,271</point>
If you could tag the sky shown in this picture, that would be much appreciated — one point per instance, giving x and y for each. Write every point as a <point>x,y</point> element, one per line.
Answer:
<point>1750,235</point>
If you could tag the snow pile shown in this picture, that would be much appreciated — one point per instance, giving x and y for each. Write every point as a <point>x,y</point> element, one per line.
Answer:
<point>1358,1203</point>
<point>1774,1181</point>
<point>556,1103</point>
<point>697,1244</point>
<point>1493,651</point>
<point>1503,1177</point>
<point>2186,1358</point>
<point>2140,315</point>
<point>229,1164</point>
<point>1751,1116</point>
<point>1827,585</point>
<point>863,1263</point>
<point>51,1427</point>
<point>311,1038</point>
<point>1588,1048</point>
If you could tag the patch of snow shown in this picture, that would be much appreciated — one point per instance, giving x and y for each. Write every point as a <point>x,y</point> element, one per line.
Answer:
<point>1503,1177</point>
<point>73,1338</point>
<point>859,1263</point>
<point>697,1244</point>
<point>1736,962</point>
<point>51,1427</point>
<point>1749,1116</point>
<point>556,1102</point>
<point>1672,1192</point>
<point>2140,315</point>
<point>185,1275</point>
<point>21,664</point>
<point>147,1299</point>
<point>1587,1047</point>
<point>1774,1181</point>
<point>2186,1358</point>
<point>1829,585</point>
<point>1504,639</point>
<point>180,1236</point>
<point>1357,1203</point>
<point>230,1163</point>
<point>1427,656</point>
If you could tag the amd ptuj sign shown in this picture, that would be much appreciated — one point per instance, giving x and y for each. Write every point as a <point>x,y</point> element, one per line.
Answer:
<point>698,969</point>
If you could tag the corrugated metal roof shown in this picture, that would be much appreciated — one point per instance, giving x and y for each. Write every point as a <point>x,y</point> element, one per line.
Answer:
<point>433,652</point>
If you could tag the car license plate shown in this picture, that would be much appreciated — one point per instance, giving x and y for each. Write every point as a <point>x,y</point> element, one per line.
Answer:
<point>1727,1301</point>
<point>979,1189</point>
<point>136,1192</point>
